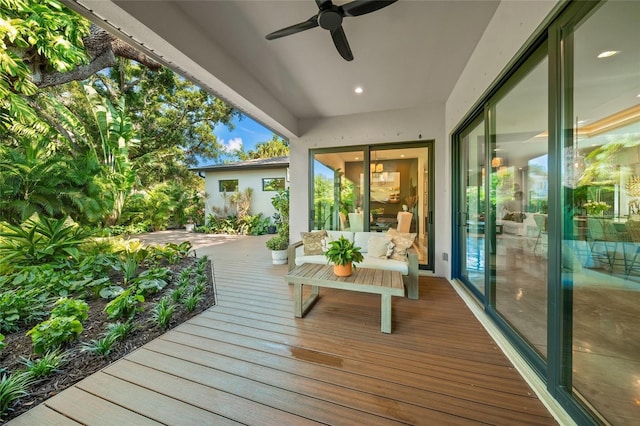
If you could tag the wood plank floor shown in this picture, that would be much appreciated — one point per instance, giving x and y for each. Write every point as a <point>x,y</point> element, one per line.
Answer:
<point>247,360</point>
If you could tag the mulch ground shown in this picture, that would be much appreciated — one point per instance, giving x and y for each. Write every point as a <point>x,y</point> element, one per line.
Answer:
<point>80,364</point>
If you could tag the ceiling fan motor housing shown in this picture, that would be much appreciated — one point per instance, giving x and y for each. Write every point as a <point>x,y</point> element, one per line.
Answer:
<point>330,19</point>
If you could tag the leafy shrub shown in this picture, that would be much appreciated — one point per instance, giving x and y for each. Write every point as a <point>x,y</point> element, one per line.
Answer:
<point>163,312</point>
<point>151,280</point>
<point>124,305</point>
<point>65,307</point>
<point>41,240</point>
<point>21,306</point>
<point>49,363</point>
<point>54,332</point>
<point>13,387</point>
<point>177,294</point>
<point>2,344</point>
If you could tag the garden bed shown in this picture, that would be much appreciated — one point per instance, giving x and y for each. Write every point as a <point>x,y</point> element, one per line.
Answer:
<point>81,363</point>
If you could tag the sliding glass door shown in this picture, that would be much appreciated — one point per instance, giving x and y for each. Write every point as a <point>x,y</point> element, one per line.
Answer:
<point>375,189</point>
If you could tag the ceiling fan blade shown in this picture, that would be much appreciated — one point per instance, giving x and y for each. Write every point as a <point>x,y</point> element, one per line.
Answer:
<point>362,7</point>
<point>340,40</point>
<point>321,3</point>
<point>302,26</point>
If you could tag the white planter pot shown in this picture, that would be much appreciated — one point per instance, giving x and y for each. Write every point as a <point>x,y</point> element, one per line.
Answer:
<point>279,257</point>
<point>189,227</point>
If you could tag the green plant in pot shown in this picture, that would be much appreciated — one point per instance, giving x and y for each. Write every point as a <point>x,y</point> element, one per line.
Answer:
<point>343,254</point>
<point>278,246</point>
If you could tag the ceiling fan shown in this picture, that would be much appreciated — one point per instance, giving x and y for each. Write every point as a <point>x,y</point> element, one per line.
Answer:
<point>330,18</point>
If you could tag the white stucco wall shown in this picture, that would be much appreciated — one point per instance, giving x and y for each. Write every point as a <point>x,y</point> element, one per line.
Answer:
<point>514,22</point>
<point>408,125</point>
<point>260,201</point>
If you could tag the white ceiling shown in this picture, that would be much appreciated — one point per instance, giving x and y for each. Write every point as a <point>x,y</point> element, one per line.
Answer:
<point>407,55</point>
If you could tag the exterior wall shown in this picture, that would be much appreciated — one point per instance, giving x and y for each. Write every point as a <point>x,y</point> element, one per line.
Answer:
<point>512,24</point>
<point>408,125</point>
<point>260,201</point>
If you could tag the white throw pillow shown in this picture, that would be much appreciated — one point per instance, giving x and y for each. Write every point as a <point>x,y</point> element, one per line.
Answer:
<point>378,247</point>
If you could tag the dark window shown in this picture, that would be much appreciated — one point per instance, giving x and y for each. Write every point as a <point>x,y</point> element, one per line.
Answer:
<point>272,184</point>
<point>228,185</point>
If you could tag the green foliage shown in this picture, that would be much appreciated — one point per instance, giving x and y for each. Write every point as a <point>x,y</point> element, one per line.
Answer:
<point>47,364</point>
<point>177,294</point>
<point>191,302</point>
<point>221,225</point>
<point>2,343</point>
<point>276,147</point>
<point>34,33</point>
<point>120,330</point>
<point>163,312</point>
<point>124,305</point>
<point>100,346</point>
<point>21,306</point>
<point>41,240</point>
<point>65,307</point>
<point>255,224</point>
<point>151,280</point>
<point>13,387</point>
<point>342,252</point>
<point>54,332</point>
<point>277,243</point>
<point>280,202</point>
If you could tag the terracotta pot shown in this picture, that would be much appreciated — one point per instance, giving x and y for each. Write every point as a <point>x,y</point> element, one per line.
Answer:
<point>343,270</point>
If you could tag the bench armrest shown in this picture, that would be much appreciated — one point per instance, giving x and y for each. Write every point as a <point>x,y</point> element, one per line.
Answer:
<point>291,254</point>
<point>412,279</point>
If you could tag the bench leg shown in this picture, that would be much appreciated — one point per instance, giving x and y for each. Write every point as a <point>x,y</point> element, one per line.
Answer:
<point>297,300</point>
<point>385,321</point>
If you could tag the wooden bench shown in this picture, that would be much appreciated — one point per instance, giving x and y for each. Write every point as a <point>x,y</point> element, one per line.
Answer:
<point>377,281</point>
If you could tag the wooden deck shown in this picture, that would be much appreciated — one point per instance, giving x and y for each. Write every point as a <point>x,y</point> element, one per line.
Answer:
<point>249,361</point>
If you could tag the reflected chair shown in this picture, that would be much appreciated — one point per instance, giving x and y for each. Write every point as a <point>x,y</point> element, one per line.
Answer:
<point>603,240</point>
<point>541,224</point>
<point>633,231</point>
<point>404,221</point>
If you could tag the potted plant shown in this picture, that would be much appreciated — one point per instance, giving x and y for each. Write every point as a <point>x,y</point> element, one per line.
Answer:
<point>278,246</point>
<point>343,254</point>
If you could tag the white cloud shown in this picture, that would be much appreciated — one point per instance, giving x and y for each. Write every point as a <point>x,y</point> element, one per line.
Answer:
<point>231,145</point>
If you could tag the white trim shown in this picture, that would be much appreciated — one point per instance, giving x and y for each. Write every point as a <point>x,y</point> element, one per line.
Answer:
<point>520,364</point>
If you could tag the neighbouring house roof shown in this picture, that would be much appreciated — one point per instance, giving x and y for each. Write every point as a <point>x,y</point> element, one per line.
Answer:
<point>260,163</point>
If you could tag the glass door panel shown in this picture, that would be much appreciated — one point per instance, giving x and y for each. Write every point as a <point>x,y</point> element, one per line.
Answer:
<point>601,183</point>
<point>399,194</point>
<point>337,190</point>
<point>472,203</point>
<point>518,175</point>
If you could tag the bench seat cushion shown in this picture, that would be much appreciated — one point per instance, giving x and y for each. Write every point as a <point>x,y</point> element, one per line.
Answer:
<point>368,262</point>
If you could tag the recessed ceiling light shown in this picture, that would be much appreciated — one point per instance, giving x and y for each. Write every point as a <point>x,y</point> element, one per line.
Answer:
<point>401,155</point>
<point>358,90</point>
<point>582,121</point>
<point>638,95</point>
<point>357,158</point>
<point>608,53</point>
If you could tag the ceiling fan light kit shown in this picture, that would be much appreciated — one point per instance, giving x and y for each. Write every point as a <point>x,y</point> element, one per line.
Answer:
<point>330,18</point>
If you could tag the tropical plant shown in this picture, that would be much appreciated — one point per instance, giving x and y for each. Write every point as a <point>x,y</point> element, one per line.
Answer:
<point>2,343</point>
<point>163,312</point>
<point>54,332</point>
<point>49,362</point>
<point>100,346</point>
<point>124,305</point>
<point>13,387</point>
<point>277,243</point>
<point>21,306</point>
<point>41,240</point>
<point>65,307</point>
<point>342,252</point>
<point>151,280</point>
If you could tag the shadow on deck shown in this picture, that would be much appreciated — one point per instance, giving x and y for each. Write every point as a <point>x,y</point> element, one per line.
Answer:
<point>248,361</point>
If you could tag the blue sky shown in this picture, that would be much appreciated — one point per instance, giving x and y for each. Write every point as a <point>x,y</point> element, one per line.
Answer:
<point>246,134</point>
